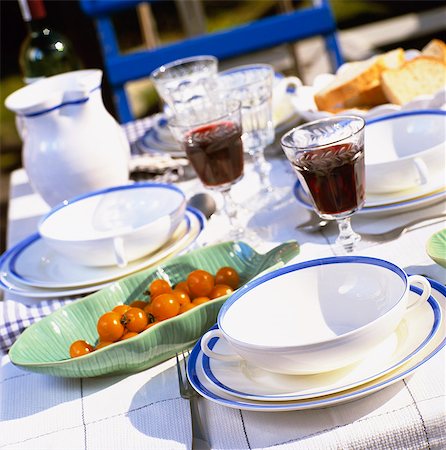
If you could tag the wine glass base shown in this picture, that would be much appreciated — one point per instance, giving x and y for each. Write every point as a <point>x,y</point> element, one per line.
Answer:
<point>221,230</point>
<point>347,241</point>
<point>271,199</point>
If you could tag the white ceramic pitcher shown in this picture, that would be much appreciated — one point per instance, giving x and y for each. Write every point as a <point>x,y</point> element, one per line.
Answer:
<point>72,145</point>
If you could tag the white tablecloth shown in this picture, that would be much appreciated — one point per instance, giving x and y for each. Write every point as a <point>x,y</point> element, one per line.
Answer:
<point>145,410</point>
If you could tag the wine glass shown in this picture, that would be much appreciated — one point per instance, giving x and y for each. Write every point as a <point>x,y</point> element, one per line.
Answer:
<point>328,157</point>
<point>252,85</point>
<point>210,134</point>
<point>181,80</point>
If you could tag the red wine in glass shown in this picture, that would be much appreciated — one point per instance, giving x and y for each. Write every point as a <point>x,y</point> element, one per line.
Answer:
<point>334,177</point>
<point>216,153</point>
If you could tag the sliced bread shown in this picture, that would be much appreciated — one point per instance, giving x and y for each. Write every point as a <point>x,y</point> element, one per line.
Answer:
<point>357,78</point>
<point>423,75</point>
<point>366,99</point>
<point>436,49</point>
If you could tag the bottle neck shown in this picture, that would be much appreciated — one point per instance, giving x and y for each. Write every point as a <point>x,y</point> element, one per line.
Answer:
<point>32,10</point>
<point>36,25</point>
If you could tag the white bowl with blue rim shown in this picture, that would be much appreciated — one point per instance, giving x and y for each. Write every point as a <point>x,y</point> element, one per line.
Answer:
<point>316,316</point>
<point>404,150</point>
<point>116,225</point>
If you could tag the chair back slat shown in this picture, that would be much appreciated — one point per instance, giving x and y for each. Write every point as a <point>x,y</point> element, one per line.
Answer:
<point>258,35</point>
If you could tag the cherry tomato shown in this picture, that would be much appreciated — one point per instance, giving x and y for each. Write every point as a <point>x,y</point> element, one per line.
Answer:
<point>219,290</point>
<point>165,306</point>
<point>135,320</point>
<point>121,309</point>
<point>186,307</point>
<point>200,283</point>
<point>141,304</point>
<point>149,325</point>
<point>128,335</point>
<point>101,344</point>
<point>110,327</point>
<point>229,276</point>
<point>148,308</point>
<point>183,286</point>
<point>183,297</point>
<point>79,348</point>
<point>158,287</point>
<point>200,300</point>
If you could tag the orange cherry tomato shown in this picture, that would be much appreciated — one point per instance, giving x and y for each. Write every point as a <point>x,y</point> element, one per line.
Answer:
<point>158,287</point>
<point>219,290</point>
<point>200,283</point>
<point>102,344</point>
<point>135,320</point>
<point>229,276</point>
<point>110,327</point>
<point>80,348</point>
<point>183,297</point>
<point>149,325</point>
<point>128,335</point>
<point>200,300</point>
<point>183,286</point>
<point>186,307</point>
<point>148,308</point>
<point>165,306</point>
<point>121,309</point>
<point>141,304</point>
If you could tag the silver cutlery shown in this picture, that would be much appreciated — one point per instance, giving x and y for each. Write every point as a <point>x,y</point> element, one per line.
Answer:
<point>396,232</point>
<point>315,223</point>
<point>199,440</point>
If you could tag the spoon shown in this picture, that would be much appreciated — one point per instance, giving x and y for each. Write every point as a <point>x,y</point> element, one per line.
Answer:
<point>315,223</point>
<point>203,202</point>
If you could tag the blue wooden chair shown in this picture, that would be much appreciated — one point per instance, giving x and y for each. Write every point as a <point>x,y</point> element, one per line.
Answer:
<point>317,20</point>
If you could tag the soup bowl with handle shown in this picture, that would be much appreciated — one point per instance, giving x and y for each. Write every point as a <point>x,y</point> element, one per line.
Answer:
<point>315,316</point>
<point>116,225</point>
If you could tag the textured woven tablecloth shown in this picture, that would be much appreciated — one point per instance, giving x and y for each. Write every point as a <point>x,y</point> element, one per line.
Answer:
<point>145,410</point>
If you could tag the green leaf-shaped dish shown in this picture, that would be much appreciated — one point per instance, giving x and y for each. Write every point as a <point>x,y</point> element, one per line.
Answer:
<point>44,346</point>
<point>436,247</point>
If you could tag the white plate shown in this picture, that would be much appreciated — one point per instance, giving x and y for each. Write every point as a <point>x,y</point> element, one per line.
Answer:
<point>159,139</point>
<point>58,277</point>
<point>245,380</point>
<point>207,390</point>
<point>304,99</point>
<point>436,184</point>
<point>392,208</point>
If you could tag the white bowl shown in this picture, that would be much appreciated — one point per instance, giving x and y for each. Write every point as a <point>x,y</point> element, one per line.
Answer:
<point>315,316</point>
<point>404,150</point>
<point>115,225</point>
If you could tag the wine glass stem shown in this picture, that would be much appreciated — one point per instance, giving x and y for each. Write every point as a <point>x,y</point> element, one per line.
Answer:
<point>347,237</point>
<point>262,168</point>
<point>230,209</point>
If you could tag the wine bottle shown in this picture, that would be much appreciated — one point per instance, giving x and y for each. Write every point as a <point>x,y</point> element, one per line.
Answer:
<point>45,51</point>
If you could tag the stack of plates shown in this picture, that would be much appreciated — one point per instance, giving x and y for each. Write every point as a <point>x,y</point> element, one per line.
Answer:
<point>419,336</point>
<point>32,269</point>
<point>417,197</point>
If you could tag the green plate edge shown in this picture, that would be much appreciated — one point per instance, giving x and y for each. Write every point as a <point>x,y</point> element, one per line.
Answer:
<point>436,247</point>
<point>43,347</point>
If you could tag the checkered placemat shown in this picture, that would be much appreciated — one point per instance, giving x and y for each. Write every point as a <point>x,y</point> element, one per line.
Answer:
<point>15,317</point>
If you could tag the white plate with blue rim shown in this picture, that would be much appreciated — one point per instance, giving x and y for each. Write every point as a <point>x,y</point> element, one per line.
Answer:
<point>31,268</point>
<point>403,205</point>
<point>436,341</point>
<point>245,380</point>
<point>159,139</point>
